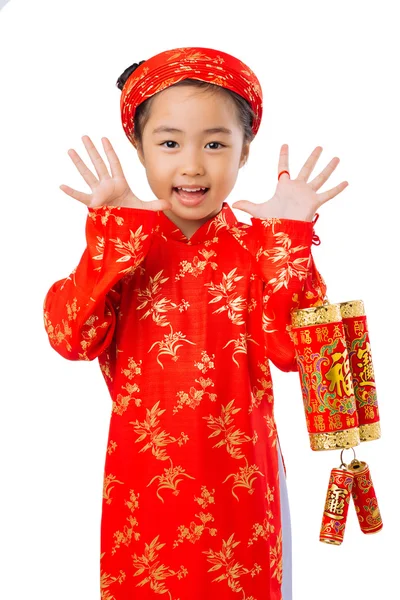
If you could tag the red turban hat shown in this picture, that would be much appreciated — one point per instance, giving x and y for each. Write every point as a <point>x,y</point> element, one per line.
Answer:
<point>164,69</point>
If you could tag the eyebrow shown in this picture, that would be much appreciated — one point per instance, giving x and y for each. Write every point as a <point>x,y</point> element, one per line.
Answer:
<point>165,129</point>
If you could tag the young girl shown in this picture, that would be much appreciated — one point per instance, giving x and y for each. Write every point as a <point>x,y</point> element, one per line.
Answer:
<point>184,306</point>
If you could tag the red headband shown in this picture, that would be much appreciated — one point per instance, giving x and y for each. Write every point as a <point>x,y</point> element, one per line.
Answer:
<point>164,69</point>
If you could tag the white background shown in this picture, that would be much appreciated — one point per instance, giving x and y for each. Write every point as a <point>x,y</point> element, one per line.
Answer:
<point>329,74</point>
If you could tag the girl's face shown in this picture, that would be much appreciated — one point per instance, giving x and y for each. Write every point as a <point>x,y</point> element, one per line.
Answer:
<point>192,156</point>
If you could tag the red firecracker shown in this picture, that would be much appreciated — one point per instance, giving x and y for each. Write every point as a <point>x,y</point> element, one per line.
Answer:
<point>325,376</point>
<point>336,507</point>
<point>359,351</point>
<point>364,497</point>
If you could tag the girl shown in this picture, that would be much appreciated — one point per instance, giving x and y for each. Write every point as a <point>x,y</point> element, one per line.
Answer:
<point>184,306</point>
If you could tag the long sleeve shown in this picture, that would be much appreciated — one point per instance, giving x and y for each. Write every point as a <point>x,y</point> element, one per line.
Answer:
<point>291,280</point>
<point>80,311</point>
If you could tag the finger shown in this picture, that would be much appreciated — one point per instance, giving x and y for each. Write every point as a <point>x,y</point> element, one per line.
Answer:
<point>115,165</point>
<point>84,198</point>
<point>322,198</point>
<point>283,164</point>
<point>97,161</point>
<point>325,174</point>
<point>310,164</point>
<point>83,169</point>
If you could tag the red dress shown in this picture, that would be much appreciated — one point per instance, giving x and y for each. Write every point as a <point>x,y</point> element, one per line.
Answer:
<point>184,330</point>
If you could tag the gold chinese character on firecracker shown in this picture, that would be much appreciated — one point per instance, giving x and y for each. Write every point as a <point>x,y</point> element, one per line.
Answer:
<point>367,372</point>
<point>340,375</point>
<point>322,334</point>
<point>334,505</point>
<point>335,422</point>
<point>358,327</point>
<point>305,336</point>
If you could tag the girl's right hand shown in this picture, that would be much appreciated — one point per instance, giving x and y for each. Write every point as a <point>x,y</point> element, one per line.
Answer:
<point>107,190</point>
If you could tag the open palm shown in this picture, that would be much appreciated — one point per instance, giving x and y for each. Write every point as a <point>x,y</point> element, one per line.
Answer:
<point>110,190</point>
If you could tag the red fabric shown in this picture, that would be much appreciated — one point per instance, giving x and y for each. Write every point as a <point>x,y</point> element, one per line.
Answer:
<point>184,330</point>
<point>206,64</point>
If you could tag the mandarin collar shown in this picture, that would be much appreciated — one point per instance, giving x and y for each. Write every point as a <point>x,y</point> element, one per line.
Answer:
<point>225,219</point>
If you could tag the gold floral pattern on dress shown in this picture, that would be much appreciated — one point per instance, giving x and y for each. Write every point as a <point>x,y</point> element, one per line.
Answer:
<point>156,573</point>
<point>195,395</point>
<point>266,528</point>
<point>107,487</point>
<point>112,446</point>
<point>170,345</point>
<point>60,333</point>
<point>207,362</point>
<point>167,481</point>
<point>157,439</point>
<point>235,305</point>
<point>233,570</point>
<point>244,478</point>
<point>122,401</point>
<point>240,345</point>
<point>265,391</point>
<point>195,530</point>
<point>197,266</point>
<point>156,305</point>
<point>106,580</point>
<point>125,536</point>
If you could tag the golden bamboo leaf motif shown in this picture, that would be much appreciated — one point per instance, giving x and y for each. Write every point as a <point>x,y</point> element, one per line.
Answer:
<point>125,536</point>
<point>107,487</point>
<point>170,345</point>
<point>157,439</point>
<point>156,573</point>
<point>234,304</point>
<point>169,481</point>
<point>240,345</point>
<point>281,254</point>
<point>271,429</point>
<point>275,556</point>
<point>155,303</point>
<point>223,425</point>
<point>233,570</point>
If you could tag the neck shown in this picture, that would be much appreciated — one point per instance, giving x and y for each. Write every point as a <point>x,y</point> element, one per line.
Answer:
<point>189,226</point>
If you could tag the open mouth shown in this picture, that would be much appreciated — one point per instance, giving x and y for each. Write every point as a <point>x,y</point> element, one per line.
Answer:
<point>190,198</point>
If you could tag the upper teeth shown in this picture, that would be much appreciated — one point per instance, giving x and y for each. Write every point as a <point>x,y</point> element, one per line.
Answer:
<point>192,189</point>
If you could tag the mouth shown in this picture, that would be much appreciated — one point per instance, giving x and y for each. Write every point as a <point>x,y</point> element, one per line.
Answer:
<point>190,198</point>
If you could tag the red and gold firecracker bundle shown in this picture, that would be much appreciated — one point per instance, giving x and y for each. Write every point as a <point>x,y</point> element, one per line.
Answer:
<point>336,507</point>
<point>325,377</point>
<point>359,351</point>
<point>364,498</point>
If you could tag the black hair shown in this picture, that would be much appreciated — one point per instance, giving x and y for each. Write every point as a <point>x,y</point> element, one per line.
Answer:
<point>245,113</point>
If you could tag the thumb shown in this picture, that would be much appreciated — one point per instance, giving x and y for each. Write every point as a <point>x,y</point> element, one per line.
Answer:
<point>246,206</point>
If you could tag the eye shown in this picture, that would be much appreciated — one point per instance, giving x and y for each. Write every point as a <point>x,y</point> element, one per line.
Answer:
<point>168,142</point>
<point>172,142</point>
<point>218,143</point>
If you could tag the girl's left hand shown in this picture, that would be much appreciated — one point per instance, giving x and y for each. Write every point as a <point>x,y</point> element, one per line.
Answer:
<point>295,198</point>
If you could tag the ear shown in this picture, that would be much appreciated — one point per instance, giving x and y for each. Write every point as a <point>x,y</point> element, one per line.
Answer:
<point>245,154</point>
<point>139,151</point>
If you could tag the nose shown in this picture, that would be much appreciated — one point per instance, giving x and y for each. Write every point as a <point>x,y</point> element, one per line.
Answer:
<point>192,163</point>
